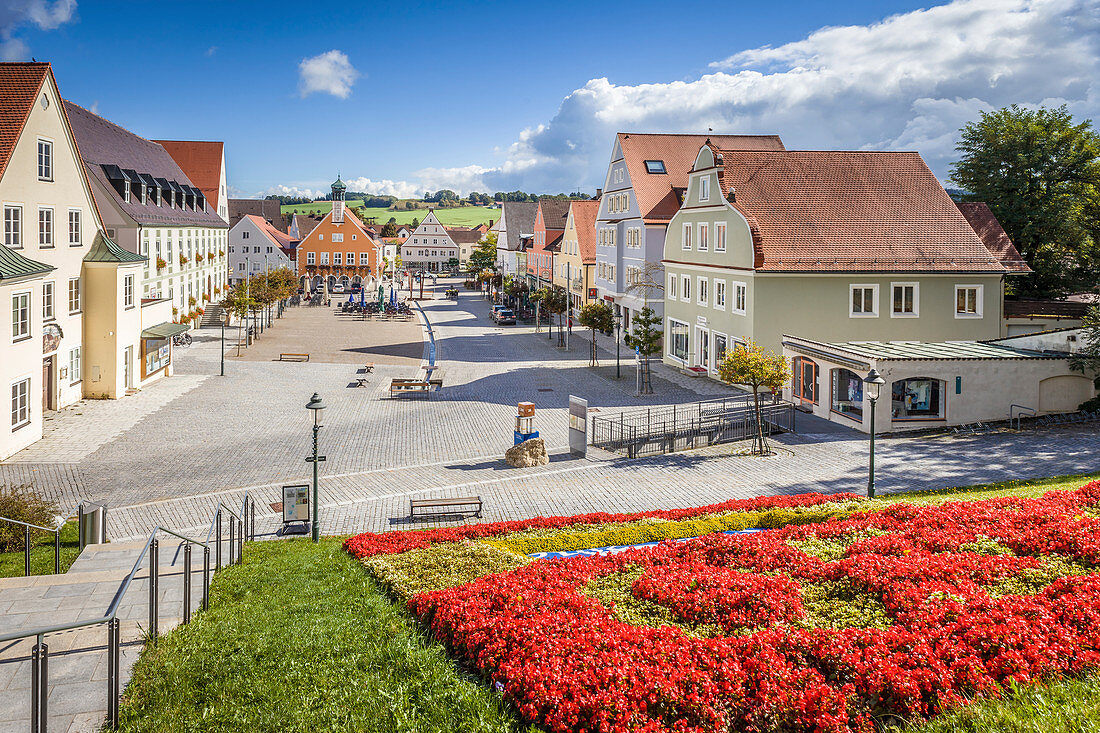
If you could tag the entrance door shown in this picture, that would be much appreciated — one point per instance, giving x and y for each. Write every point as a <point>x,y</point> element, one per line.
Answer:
<point>702,339</point>
<point>128,367</point>
<point>47,384</point>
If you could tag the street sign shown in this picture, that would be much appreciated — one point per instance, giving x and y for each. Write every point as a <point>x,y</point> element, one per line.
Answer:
<point>296,503</point>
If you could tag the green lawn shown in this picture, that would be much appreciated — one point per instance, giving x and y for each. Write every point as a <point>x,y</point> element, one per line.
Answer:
<point>465,216</point>
<point>300,638</point>
<point>1015,487</point>
<point>12,563</point>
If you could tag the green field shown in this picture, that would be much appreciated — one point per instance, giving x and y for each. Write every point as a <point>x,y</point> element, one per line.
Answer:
<point>12,563</point>
<point>466,216</point>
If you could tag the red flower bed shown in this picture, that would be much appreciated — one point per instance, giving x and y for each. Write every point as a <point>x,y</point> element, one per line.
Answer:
<point>570,664</point>
<point>385,543</point>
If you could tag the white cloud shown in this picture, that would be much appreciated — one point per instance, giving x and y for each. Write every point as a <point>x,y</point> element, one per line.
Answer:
<point>16,14</point>
<point>329,73</point>
<point>907,82</point>
<point>385,187</point>
<point>211,51</point>
<point>280,190</point>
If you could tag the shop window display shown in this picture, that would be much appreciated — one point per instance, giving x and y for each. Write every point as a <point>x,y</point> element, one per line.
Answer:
<point>917,398</point>
<point>848,394</point>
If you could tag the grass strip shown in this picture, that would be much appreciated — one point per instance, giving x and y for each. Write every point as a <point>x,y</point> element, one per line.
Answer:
<point>299,638</point>
<point>12,563</point>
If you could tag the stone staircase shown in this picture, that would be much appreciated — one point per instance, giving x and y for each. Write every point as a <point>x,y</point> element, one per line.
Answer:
<point>212,316</point>
<point>77,662</point>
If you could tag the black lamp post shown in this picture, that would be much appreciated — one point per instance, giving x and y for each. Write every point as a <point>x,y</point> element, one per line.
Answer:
<point>618,341</point>
<point>872,383</point>
<point>315,405</point>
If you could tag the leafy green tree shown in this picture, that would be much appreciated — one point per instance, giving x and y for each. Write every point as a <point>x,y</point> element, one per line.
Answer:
<point>484,256</point>
<point>1087,360</point>
<point>415,223</point>
<point>389,229</point>
<point>598,317</point>
<point>239,302</point>
<point>752,366</point>
<point>555,301</point>
<point>1039,172</point>
<point>645,336</point>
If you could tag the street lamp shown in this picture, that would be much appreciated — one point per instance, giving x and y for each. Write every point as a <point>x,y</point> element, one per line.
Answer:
<point>872,384</point>
<point>618,340</point>
<point>315,405</point>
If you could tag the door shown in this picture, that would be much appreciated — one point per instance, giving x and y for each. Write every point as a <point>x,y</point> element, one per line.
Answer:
<point>702,356</point>
<point>128,367</point>
<point>47,384</point>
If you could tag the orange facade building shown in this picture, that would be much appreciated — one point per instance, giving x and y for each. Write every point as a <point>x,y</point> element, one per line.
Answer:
<point>339,249</point>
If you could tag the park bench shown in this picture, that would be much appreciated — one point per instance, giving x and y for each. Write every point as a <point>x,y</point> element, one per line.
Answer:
<point>293,357</point>
<point>368,367</point>
<point>435,378</point>
<point>400,386</point>
<point>431,504</point>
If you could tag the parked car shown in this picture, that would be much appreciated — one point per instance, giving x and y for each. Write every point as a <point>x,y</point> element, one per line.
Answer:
<point>337,288</point>
<point>505,317</point>
<point>495,310</point>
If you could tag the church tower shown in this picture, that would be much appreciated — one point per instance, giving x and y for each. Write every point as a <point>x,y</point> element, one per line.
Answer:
<point>338,190</point>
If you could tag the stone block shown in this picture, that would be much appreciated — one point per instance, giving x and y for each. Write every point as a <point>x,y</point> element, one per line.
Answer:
<point>528,453</point>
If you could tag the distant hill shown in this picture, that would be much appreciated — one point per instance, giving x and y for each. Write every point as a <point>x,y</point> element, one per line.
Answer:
<point>465,216</point>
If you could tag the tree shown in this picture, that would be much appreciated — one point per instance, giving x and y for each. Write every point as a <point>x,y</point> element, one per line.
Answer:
<point>1039,172</point>
<point>555,301</point>
<point>645,336</point>
<point>389,229</point>
<point>484,256</point>
<point>598,317</point>
<point>1087,359</point>
<point>753,366</point>
<point>238,302</point>
<point>650,284</point>
<point>415,223</point>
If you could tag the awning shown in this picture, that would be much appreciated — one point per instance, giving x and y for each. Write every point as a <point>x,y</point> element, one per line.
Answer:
<point>164,330</point>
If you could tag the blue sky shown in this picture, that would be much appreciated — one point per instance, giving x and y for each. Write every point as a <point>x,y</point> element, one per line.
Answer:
<point>496,96</point>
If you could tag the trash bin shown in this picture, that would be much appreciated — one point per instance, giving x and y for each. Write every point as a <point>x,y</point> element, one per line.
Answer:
<point>92,524</point>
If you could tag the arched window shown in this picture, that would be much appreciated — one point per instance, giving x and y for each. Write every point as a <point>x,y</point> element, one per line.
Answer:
<point>804,379</point>
<point>847,394</point>
<point>918,398</point>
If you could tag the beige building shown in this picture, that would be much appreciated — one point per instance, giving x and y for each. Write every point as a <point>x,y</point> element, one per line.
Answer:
<point>429,248</point>
<point>938,384</point>
<point>575,262</point>
<point>834,246</point>
<point>75,319</point>
<point>150,207</point>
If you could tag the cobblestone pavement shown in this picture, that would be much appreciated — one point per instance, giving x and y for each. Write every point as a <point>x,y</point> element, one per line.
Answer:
<point>251,429</point>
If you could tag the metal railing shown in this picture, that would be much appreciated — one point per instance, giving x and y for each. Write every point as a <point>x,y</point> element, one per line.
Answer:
<point>56,531</point>
<point>651,431</point>
<point>242,527</point>
<point>1018,417</point>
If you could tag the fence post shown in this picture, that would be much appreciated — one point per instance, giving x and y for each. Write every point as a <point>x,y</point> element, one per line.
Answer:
<point>218,546</point>
<point>232,537</point>
<point>240,539</point>
<point>187,582</point>
<point>205,577</point>
<point>26,550</point>
<point>154,569</point>
<point>252,521</point>
<point>114,644</point>
<point>80,525</point>
<point>40,685</point>
<point>57,551</point>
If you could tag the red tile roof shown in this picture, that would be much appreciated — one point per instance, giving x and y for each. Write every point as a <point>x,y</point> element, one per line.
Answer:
<point>280,238</point>
<point>842,211</point>
<point>993,235</point>
<point>202,162</point>
<point>19,85</point>
<point>656,198</point>
<point>584,219</point>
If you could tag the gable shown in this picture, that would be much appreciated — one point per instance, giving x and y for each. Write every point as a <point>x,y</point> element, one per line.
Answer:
<point>19,87</point>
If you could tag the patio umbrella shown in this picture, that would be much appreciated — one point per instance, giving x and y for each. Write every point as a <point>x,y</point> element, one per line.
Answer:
<point>351,297</point>
<point>381,296</point>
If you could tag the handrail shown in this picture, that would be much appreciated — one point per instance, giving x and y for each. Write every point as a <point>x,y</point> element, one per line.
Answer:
<point>1019,417</point>
<point>27,526</point>
<point>150,550</point>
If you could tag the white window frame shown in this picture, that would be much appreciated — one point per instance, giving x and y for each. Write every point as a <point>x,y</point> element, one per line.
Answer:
<point>128,291</point>
<point>739,292</point>
<point>311,258</point>
<point>21,328</point>
<point>79,295</point>
<point>42,233</point>
<point>686,243</point>
<point>715,360</point>
<point>337,237</point>
<point>704,236</point>
<point>49,300</point>
<point>324,258</point>
<point>685,288</point>
<point>720,237</point>
<point>48,173</point>
<point>673,278</point>
<point>337,258</point>
<point>75,369</point>
<point>702,295</point>
<point>704,188</point>
<point>874,299</point>
<point>670,342</point>
<point>20,404</point>
<point>719,294</point>
<point>979,295</point>
<point>75,218</point>
<point>702,359</point>
<point>13,226</point>
<point>916,299</point>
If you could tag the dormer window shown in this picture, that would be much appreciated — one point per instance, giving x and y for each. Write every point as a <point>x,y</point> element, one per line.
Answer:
<point>655,166</point>
<point>126,191</point>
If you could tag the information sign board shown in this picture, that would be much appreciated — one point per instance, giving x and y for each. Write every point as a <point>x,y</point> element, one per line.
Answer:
<point>296,503</point>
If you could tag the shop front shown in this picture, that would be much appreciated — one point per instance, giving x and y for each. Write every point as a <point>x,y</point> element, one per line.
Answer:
<point>156,349</point>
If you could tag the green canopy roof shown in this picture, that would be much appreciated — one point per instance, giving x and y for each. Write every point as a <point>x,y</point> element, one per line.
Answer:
<point>104,250</point>
<point>14,266</point>
<point>163,330</point>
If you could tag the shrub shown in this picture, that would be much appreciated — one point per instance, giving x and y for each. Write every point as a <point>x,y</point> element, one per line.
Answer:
<point>440,566</point>
<point>22,504</point>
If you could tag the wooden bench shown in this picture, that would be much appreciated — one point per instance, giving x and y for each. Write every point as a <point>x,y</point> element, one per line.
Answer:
<point>361,382</point>
<point>430,504</point>
<point>293,357</point>
<point>399,386</point>
<point>435,378</point>
<point>368,367</point>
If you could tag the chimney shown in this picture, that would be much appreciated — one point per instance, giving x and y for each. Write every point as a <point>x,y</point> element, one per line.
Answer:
<point>732,197</point>
<point>599,193</point>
